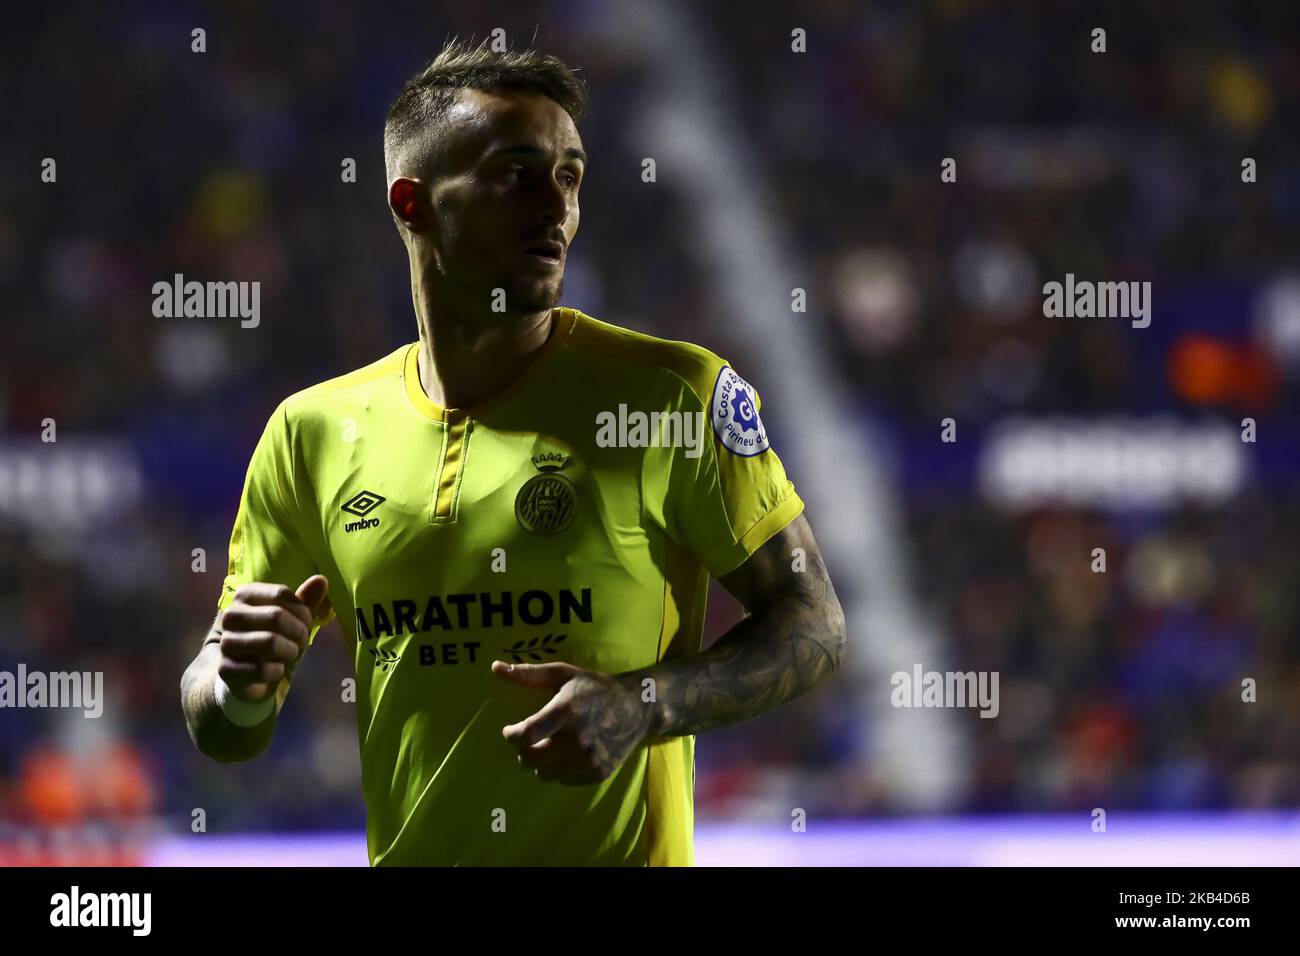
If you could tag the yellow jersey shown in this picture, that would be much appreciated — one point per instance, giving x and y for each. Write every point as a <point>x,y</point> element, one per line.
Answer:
<point>575,517</point>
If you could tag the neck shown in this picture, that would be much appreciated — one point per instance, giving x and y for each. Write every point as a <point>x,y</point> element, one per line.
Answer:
<point>469,355</point>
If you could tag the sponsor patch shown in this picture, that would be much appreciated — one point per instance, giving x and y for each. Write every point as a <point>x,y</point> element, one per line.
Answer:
<point>734,410</point>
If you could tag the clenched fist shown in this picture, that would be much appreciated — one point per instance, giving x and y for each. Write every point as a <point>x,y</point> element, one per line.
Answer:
<point>264,633</point>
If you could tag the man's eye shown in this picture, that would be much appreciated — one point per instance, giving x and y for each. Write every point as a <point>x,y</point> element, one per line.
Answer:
<point>571,179</point>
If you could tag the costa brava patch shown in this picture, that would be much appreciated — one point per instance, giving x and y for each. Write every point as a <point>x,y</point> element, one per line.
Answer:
<point>735,415</point>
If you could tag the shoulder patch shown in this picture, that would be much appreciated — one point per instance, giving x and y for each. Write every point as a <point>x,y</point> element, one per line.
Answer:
<point>735,415</point>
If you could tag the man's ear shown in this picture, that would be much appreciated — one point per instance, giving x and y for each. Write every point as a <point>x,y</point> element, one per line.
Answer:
<point>404,201</point>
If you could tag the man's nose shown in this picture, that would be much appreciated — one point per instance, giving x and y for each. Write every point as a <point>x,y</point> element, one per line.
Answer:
<point>555,205</point>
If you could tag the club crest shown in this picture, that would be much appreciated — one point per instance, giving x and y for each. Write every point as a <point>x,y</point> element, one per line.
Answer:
<point>547,502</point>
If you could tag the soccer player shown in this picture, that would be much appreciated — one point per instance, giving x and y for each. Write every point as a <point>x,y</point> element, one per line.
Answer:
<point>518,562</point>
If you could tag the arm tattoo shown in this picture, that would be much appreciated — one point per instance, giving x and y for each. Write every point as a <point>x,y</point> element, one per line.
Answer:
<point>792,639</point>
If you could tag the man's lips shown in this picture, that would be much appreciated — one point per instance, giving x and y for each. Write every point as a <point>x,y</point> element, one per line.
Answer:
<point>551,251</point>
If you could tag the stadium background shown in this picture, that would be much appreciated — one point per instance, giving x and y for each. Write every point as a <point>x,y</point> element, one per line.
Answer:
<point>775,170</point>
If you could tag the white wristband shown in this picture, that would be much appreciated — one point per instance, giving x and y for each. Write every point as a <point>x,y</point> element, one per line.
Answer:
<point>240,712</point>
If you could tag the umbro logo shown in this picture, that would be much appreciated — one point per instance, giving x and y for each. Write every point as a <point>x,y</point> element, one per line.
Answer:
<point>362,504</point>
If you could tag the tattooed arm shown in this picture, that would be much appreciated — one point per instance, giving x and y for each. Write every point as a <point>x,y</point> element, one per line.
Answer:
<point>791,639</point>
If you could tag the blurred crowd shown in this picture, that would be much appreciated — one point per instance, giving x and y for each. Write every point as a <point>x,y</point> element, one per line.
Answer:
<point>1123,688</point>
<point>1119,689</point>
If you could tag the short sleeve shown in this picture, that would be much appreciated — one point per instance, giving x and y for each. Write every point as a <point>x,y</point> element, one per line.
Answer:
<point>266,542</point>
<point>727,498</point>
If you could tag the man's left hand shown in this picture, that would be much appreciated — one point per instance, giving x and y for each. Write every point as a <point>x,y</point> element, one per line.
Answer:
<point>588,727</point>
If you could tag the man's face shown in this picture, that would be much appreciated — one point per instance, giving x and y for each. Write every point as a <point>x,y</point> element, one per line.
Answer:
<point>505,199</point>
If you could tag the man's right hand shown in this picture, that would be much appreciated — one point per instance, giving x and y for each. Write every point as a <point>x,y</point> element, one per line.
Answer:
<point>264,633</point>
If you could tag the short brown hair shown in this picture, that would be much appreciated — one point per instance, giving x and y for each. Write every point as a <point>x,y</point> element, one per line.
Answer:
<point>422,105</point>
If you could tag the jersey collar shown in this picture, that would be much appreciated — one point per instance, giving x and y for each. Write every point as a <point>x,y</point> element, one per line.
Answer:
<point>563,323</point>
